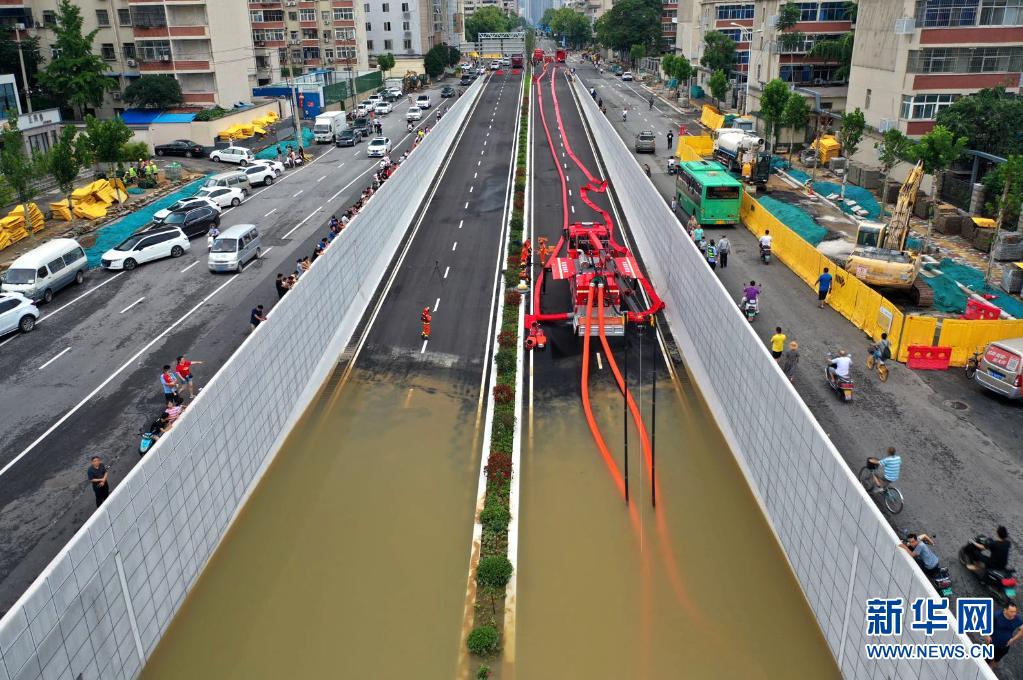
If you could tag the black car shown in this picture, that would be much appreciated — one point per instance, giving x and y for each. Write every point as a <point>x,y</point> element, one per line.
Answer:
<point>180,147</point>
<point>466,80</point>
<point>348,137</point>
<point>361,125</point>
<point>447,91</point>
<point>193,221</point>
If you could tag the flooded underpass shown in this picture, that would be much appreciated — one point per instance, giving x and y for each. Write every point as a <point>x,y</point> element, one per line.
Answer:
<point>350,558</point>
<point>697,588</point>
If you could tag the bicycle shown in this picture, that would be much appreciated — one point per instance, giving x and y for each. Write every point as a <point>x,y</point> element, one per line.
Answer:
<point>970,369</point>
<point>890,494</point>
<point>882,367</point>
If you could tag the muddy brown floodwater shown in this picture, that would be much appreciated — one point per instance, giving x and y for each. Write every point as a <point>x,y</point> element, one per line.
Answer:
<point>697,589</point>
<point>350,559</point>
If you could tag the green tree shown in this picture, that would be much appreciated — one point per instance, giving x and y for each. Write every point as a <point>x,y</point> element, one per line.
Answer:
<point>154,92</point>
<point>718,52</point>
<point>454,56</point>
<point>76,73</point>
<point>893,148</point>
<point>493,574</point>
<point>718,85</point>
<point>20,170</point>
<point>937,150</point>
<point>772,107</point>
<point>435,60</point>
<point>789,40</point>
<point>105,139</point>
<point>991,119</point>
<point>631,22</point>
<point>678,67</point>
<point>9,63</point>
<point>1011,175</point>
<point>795,116</point>
<point>486,20</point>
<point>637,53</point>
<point>66,159</point>
<point>839,50</point>
<point>571,25</point>
<point>385,62</point>
<point>849,135</point>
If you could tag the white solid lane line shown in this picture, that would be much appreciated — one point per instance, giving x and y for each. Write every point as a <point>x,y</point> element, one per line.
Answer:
<point>270,213</point>
<point>83,295</point>
<point>436,305</point>
<point>189,267</point>
<point>110,378</point>
<point>59,355</point>
<point>134,303</point>
<point>301,223</point>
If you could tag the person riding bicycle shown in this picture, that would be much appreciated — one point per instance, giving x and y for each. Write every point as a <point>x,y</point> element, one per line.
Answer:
<point>881,350</point>
<point>919,546</point>
<point>887,470</point>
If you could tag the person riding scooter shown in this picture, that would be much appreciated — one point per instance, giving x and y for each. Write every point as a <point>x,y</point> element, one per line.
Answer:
<point>993,553</point>
<point>750,295</point>
<point>839,366</point>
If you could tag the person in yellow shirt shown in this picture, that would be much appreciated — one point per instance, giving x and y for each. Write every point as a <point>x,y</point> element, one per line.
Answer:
<point>777,343</point>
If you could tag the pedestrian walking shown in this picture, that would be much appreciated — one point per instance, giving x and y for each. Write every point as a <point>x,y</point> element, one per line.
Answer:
<point>674,204</point>
<point>777,342</point>
<point>169,382</point>
<point>256,317</point>
<point>711,253</point>
<point>183,368</point>
<point>280,154</point>
<point>724,247</point>
<point>823,287</point>
<point>790,360</point>
<point>1006,630</point>
<point>671,137</point>
<point>692,225</point>
<point>99,479</point>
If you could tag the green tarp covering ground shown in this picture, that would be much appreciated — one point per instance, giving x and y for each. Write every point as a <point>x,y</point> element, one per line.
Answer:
<point>948,297</point>
<point>796,219</point>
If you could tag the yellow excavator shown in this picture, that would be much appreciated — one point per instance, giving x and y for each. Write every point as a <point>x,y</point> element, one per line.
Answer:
<point>880,258</point>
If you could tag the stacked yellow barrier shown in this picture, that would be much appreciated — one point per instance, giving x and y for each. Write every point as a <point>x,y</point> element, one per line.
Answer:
<point>711,118</point>
<point>694,148</point>
<point>966,336</point>
<point>92,201</point>
<point>12,227</point>
<point>246,130</point>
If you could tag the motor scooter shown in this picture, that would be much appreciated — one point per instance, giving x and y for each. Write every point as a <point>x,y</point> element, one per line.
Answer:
<point>939,578</point>
<point>148,439</point>
<point>843,386</point>
<point>765,253</point>
<point>1000,583</point>
<point>751,308</point>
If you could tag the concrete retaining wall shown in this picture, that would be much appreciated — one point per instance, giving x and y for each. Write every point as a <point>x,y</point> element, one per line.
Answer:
<point>99,609</point>
<point>837,542</point>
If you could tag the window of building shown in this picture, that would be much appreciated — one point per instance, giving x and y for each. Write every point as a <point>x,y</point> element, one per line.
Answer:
<point>925,106</point>
<point>365,8</point>
<point>369,45</point>
<point>808,11</point>
<point>735,11</point>
<point>148,17</point>
<point>388,44</point>
<point>50,17</point>
<point>936,13</point>
<point>1000,59</point>
<point>344,34</point>
<point>129,50</point>
<point>310,53</point>
<point>106,50</point>
<point>866,100</point>
<point>326,14</point>
<point>385,7</point>
<point>344,14</point>
<point>292,16</point>
<point>733,33</point>
<point>294,35</point>
<point>742,56</point>
<point>55,53</point>
<point>310,34</point>
<point>266,15</point>
<point>296,55</point>
<point>265,34</point>
<point>154,50</point>
<point>369,27</point>
<point>406,26</point>
<point>834,11</point>
<point>406,44</point>
<point>328,54</point>
<point>347,53</point>
<point>8,98</point>
<point>307,15</point>
<point>404,7</point>
<point>387,25</point>
<point>102,17</point>
<point>1001,13</point>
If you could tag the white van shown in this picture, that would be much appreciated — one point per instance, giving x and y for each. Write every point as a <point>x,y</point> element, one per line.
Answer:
<point>235,247</point>
<point>234,178</point>
<point>1000,368</point>
<point>43,271</point>
<point>328,125</point>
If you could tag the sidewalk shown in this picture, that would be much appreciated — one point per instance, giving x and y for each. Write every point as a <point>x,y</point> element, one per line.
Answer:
<point>960,446</point>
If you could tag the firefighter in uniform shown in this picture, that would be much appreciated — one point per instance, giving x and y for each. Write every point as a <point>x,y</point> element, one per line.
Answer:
<point>426,319</point>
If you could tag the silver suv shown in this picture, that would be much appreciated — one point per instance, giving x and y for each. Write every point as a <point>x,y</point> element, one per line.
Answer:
<point>646,142</point>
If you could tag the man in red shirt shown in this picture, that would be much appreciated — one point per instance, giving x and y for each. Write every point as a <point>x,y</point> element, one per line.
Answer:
<point>184,371</point>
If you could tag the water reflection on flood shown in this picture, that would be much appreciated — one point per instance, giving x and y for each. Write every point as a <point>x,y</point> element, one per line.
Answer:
<point>701,591</point>
<point>349,560</point>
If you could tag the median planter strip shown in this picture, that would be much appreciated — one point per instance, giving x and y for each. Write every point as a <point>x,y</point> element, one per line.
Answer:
<point>495,570</point>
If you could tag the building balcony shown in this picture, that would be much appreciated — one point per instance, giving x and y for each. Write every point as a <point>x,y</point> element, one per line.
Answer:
<point>176,66</point>
<point>166,2</point>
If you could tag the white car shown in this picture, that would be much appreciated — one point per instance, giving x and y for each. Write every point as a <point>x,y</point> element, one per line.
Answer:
<point>17,313</point>
<point>145,247</point>
<point>276,166</point>
<point>363,108</point>
<point>423,101</point>
<point>233,154</point>
<point>260,174</point>
<point>627,75</point>
<point>414,113</point>
<point>378,147</point>
<point>375,99</point>
<point>383,108</point>
<point>395,92</point>
<point>190,202</point>
<point>224,196</point>
<point>494,65</point>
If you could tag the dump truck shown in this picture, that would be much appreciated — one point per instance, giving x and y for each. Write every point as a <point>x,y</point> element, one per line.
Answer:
<point>880,258</point>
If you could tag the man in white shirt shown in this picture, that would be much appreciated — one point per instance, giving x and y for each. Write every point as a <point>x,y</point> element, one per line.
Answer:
<point>765,240</point>
<point>840,365</point>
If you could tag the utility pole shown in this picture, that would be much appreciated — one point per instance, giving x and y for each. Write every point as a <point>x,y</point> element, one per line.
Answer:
<point>18,28</point>
<point>295,110</point>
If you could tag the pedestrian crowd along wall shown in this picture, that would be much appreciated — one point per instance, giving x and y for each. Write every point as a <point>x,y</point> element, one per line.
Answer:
<point>99,608</point>
<point>838,544</point>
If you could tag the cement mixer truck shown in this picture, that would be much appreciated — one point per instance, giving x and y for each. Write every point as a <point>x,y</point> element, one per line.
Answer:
<point>743,153</point>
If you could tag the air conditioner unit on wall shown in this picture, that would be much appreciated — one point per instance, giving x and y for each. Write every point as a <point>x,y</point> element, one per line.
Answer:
<point>905,26</point>
<point>131,63</point>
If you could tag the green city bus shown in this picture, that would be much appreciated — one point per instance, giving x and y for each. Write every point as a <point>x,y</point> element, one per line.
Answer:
<point>706,189</point>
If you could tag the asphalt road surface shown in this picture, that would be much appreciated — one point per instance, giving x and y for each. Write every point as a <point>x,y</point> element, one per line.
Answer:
<point>962,459</point>
<point>87,379</point>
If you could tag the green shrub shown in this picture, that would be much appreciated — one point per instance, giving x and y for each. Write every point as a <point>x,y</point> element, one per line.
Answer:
<point>494,571</point>
<point>483,673</point>
<point>484,641</point>
<point>507,339</point>
<point>211,114</point>
<point>495,517</point>
<point>505,360</point>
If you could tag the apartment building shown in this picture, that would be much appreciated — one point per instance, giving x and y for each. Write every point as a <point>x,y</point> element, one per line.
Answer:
<point>408,29</point>
<point>509,7</point>
<point>763,55</point>
<point>305,36</point>
<point>912,58</point>
<point>669,23</point>
<point>196,41</point>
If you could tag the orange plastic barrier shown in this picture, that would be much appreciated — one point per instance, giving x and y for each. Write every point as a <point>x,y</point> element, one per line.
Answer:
<point>975,309</point>
<point>927,358</point>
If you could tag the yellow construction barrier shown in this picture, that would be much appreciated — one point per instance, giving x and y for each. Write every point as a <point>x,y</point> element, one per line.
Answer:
<point>60,211</point>
<point>918,330</point>
<point>694,148</point>
<point>966,336</point>
<point>711,118</point>
<point>12,227</point>
<point>92,201</point>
